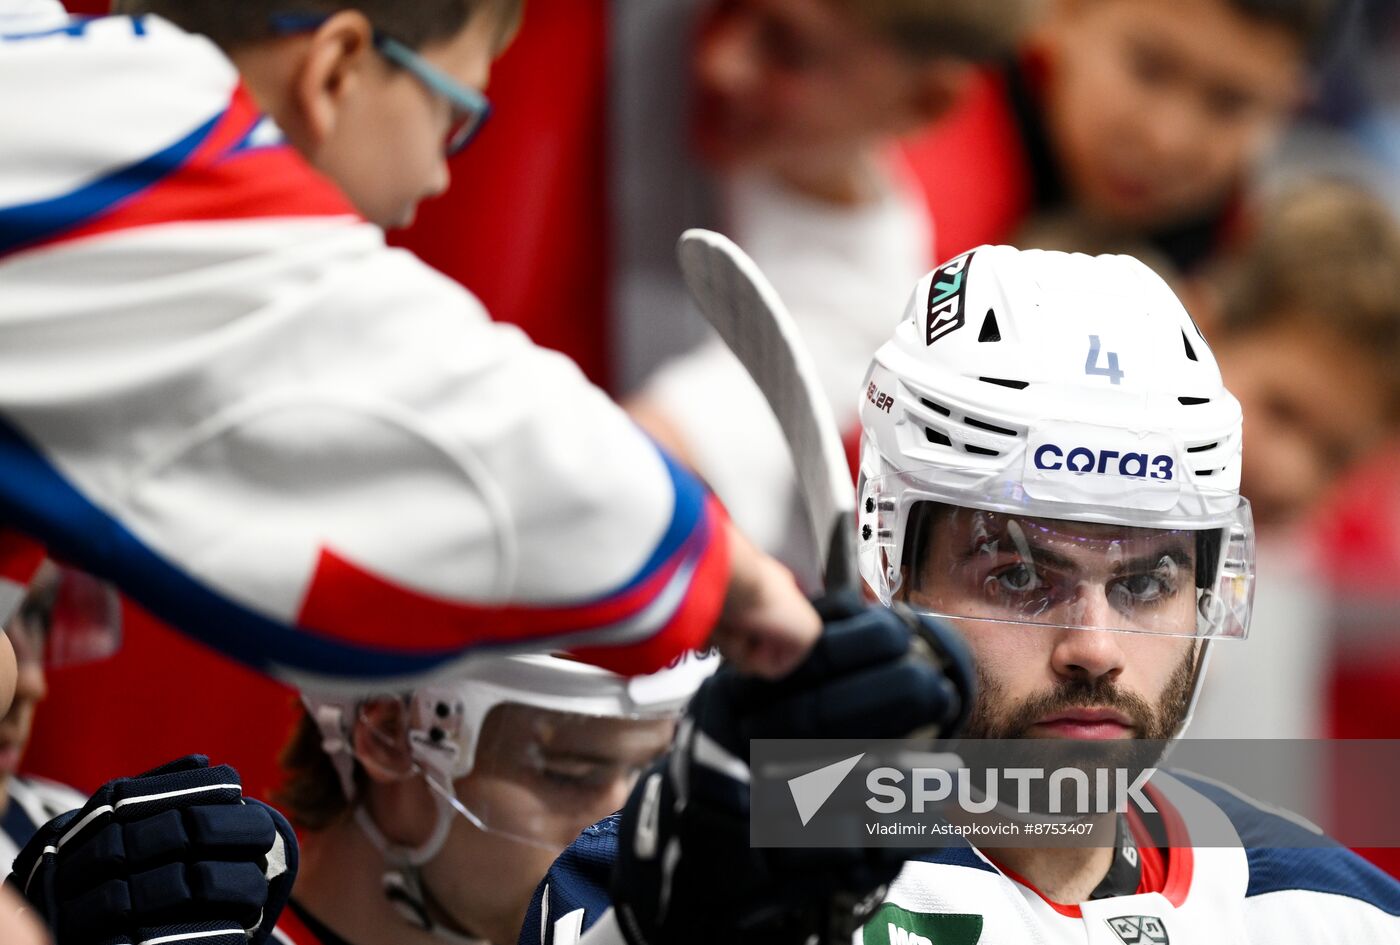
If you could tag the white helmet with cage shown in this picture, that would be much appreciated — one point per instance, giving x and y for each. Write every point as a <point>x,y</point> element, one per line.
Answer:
<point>446,718</point>
<point>444,727</point>
<point>1025,390</point>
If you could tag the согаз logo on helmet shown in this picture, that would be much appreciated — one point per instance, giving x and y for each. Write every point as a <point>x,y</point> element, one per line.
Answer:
<point>1081,459</point>
<point>945,298</point>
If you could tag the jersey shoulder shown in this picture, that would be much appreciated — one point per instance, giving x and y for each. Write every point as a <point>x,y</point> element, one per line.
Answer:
<point>574,893</point>
<point>44,797</point>
<point>1284,853</point>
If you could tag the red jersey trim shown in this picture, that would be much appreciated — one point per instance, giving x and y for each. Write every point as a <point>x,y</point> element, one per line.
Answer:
<point>1180,865</point>
<point>226,177</point>
<point>350,604</point>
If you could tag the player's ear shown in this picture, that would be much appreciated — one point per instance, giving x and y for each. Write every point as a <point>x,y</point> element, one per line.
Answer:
<point>380,739</point>
<point>330,71</point>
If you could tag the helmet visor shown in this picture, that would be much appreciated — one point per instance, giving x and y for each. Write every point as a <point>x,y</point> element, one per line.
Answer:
<point>67,618</point>
<point>1153,573</point>
<point>541,776</point>
<point>523,771</point>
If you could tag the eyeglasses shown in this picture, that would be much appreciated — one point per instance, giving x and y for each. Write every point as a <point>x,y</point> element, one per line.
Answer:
<point>470,108</point>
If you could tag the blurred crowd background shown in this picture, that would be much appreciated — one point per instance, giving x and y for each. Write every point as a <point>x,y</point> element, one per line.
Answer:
<point>1247,149</point>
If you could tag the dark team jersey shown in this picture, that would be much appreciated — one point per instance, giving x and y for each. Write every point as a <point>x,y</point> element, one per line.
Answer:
<point>1174,894</point>
<point>33,803</point>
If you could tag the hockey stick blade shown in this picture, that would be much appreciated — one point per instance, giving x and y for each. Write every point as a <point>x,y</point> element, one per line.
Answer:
<point>742,305</point>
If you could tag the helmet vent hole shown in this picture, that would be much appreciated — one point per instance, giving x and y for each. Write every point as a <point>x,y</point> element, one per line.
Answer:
<point>991,331</point>
<point>1192,401</point>
<point>935,437</point>
<point>1205,472</point>
<point>936,408</point>
<point>1190,351</point>
<point>1014,385</point>
<point>980,450</point>
<point>983,425</point>
<point>1202,448</point>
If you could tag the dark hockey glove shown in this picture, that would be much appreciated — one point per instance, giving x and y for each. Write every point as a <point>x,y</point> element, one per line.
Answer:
<point>176,855</point>
<point>686,874</point>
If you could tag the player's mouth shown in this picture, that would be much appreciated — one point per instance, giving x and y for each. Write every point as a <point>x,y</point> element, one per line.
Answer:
<point>1084,724</point>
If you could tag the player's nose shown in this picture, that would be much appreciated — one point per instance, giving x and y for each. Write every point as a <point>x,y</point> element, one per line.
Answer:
<point>1092,650</point>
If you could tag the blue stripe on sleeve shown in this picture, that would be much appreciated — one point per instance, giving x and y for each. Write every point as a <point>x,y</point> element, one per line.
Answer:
<point>686,516</point>
<point>24,224</point>
<point>37,500</point>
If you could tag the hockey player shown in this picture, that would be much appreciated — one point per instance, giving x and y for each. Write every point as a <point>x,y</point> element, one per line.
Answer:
<point>223,391</point>
<point>432,815</point>
<point>67,618</point>
<point>1051,464</point>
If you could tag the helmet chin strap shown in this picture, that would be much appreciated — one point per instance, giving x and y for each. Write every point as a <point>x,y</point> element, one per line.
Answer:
<point>406,893</point>
<point>1197,679</point>
<point>402,881</point>
<point>398,855</point>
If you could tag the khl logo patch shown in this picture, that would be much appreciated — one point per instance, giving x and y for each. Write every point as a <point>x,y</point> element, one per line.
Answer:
<point>1140,930</point>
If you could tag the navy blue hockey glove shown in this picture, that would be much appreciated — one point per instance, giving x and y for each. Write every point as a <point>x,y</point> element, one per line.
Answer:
<point>686,874</point>
<point>176,855</point>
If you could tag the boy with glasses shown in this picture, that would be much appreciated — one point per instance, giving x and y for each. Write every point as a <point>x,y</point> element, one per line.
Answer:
<point>223,390</point>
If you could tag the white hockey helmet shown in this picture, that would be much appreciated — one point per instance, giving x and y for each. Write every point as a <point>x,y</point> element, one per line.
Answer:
<point>1052,405</point>
<point>446,719</point>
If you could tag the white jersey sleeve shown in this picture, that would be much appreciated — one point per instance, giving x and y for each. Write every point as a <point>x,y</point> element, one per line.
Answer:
<point>221,389</point>
<point>33,802</point>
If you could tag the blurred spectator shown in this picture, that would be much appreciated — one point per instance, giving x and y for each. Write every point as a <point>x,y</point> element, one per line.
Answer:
<point>797,106</point>
<point>1352,126</point>
<point>1134,114</point>
<point>1308,337</point>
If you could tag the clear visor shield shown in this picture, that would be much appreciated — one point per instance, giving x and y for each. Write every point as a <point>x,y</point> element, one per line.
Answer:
<point>1187,571</point>
<point>534,775</point>
<point>67,617</point>
<point>542,776</point>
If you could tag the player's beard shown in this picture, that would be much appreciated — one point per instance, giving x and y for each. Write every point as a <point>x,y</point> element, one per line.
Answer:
<point>1007,727</point>
<point>994,717</point>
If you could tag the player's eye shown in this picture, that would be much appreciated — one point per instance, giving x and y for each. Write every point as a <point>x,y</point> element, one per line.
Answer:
<point>580,776</point>
<point>1019,578</point>
<point>1147,587</point>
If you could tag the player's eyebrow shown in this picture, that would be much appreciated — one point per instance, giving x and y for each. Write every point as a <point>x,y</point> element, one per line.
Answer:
<point>1042,555</point>
<point>1038,553</point>
<point>584,757</point>
<point>1176,552</point>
